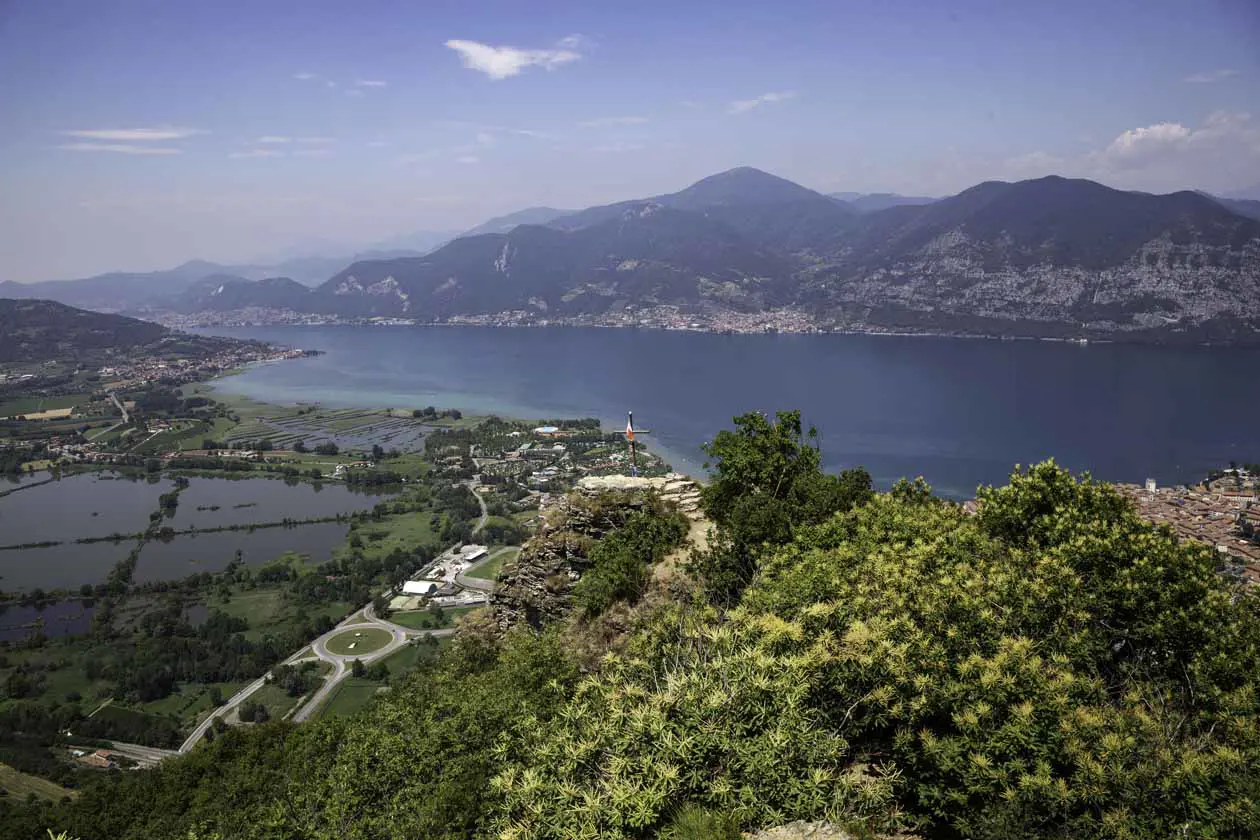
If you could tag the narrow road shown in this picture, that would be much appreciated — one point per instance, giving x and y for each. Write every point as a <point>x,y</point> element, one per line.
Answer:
<point>118,403</point>
<point>485,514</point>
<point>361,619</point>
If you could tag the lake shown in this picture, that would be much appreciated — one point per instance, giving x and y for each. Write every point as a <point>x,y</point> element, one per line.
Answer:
<point>959,412</point>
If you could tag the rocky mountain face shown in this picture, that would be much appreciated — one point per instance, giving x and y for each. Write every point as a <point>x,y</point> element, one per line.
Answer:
<point>537,587</point>
<point>1046,257</point>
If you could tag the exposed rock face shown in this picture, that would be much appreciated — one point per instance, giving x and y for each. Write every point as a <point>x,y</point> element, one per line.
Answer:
<point>800,830</point>
<point>537,587</point>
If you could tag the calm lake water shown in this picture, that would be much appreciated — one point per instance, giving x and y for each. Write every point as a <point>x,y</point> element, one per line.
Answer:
<point>240,502</point>
<point>78,506</point>
<point>64,618</point>
<point>187,555</point>
<point>959,412</point>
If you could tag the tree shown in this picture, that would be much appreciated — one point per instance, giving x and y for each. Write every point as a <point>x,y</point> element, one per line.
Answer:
<point>767,482</point>
<point>327,448</point>
<point>299,446</point>
<point>356,668</point>
<point>378,452</point>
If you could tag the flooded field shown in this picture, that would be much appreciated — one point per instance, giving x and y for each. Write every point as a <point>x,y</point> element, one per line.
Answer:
<point>64,618</point>
<point>218,502</point>
<point>190,554</point>
<point>349,428</point>
<point>95,505</point>
<point>65,566</point>
<point>78,506</point>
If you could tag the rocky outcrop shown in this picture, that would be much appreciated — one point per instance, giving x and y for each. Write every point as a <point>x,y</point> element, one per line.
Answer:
<point>802,830</point>
<point>537,587</point>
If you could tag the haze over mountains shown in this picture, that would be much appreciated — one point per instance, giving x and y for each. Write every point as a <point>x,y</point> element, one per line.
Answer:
<point>1045,257</point>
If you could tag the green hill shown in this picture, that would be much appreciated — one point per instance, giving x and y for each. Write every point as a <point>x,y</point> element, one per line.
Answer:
<point>1050,666</point>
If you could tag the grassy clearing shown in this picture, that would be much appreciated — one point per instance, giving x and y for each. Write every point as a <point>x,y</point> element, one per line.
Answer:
<point>277,701</point>
<point>489,570</point>
<point>404,530</point>
<point>425,620</point>
<point>359,642</point>
<point>350,697</point>
<point>409,656</point>
<point>18,785</point>
<point>192,701</point>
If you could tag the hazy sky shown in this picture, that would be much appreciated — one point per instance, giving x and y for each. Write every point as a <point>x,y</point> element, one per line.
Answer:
<point>139,134</point>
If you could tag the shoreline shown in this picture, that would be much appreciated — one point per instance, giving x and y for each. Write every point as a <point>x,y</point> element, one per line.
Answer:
<point>705,326</point>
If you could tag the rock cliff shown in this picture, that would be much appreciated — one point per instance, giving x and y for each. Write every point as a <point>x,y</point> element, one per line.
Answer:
<point>537,587</point>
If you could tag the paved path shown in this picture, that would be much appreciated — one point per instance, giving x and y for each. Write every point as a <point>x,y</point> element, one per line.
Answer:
<point>485,513</point>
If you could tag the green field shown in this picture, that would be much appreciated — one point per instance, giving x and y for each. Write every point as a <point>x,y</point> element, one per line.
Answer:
<point>18,785</point>
<point>277,701</point>
<point>490,568</point>
<point>349,697</point>
<point>268,612</point>
<point>406,531</point>
<point>365,641</point>
<point>191,701</point>
<point>423,619</point>
<point>32,405</point>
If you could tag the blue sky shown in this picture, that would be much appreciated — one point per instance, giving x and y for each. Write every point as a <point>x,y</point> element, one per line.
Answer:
<point>140,134</point>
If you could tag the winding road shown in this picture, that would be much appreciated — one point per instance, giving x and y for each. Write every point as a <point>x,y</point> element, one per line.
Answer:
<point>341,664</point>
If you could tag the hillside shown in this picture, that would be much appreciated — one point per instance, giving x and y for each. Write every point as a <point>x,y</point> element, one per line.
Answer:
<point>44,330</point>
<point>886,663</point>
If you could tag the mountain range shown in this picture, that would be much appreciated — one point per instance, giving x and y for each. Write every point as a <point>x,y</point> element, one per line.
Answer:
<point>1045,257</point>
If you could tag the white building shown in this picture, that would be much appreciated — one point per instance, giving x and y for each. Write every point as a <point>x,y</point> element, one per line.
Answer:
<point>420,587</point>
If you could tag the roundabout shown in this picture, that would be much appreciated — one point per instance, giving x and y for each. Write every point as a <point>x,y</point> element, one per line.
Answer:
<point>358,641</point>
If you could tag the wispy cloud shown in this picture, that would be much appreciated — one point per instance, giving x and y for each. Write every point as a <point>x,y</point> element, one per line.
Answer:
<point>467,159</point>
<point>119,148</point>
<point>1210,76</point>
<point>377,144</point>
<point>370,83</point>
<point>315,141</point>
<point>274,139</point>
<point>312,152</point>
<point>258,153</point>
<point>502,62</point>
<point>743,106</point>
<point>305,77</point>
<point>133,134</point>
<point>605,122</point>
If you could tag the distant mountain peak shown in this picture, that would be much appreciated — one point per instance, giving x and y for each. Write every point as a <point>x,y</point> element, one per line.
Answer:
<point>741,185</point>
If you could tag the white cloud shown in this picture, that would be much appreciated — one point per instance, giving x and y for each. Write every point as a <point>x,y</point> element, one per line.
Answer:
<point>1210,76</point>
<point>133,134</point>
<point>305,77</point>
<point>274,139</point>
<point>743,106</point>
<point>258,153</point>
<point>467,159</point>
<point>354,92</point>
<point>330,83</point>
<point>604,122</point>
<point>119,148</point>
<point>1139,141</point>
<point>315,141</point>
<point>377,144</point>
<point>370,83</point>
<point>502,62</point>
<point>312,152</point>
<point>485,138</point>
